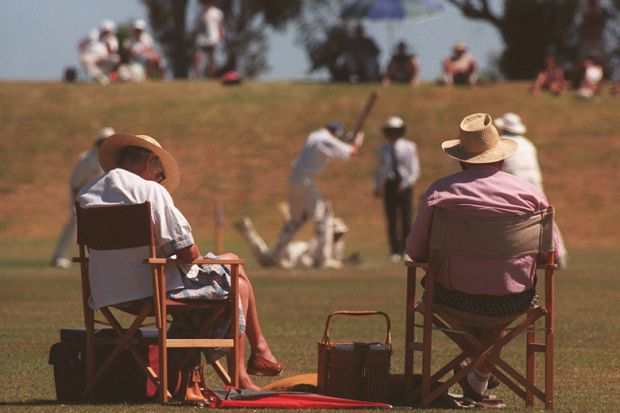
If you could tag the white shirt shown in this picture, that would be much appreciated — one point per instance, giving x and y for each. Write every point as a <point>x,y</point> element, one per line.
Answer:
<point>209,27</point>
<point>141,45</point>
<point>118,276</point>
<point>407,163</point>
<point>524,162</point>
<point>86,169</point>
<point>319,147</point>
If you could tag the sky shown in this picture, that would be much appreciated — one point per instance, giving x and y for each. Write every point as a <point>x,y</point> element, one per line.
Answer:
<point>38,38</point>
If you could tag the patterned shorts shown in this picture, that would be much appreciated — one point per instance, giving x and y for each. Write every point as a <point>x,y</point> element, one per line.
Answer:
<point>486,305</point>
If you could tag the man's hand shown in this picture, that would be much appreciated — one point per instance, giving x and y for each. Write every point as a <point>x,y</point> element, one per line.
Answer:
<point>189,253</point>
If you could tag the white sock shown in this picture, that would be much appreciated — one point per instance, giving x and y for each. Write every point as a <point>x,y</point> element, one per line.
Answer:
<point>478,381</point>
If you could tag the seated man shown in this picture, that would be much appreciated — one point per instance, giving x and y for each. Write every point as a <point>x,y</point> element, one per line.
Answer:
<point>461,68</point>
<point>482,295</point>
<point>592,79</point>
<point>551,78</point>
<point>403,67</point>
<point>144,60</point>
<point>138,170</point>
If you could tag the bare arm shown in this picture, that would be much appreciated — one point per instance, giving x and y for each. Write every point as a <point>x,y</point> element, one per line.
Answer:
<point>189,253</point>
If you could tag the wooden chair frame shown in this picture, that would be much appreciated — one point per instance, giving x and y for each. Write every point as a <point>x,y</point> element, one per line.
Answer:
<point>524,386</point>
<point>130,226</point>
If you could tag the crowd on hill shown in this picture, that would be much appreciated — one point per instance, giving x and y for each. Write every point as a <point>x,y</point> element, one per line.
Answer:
<point>135,57</point>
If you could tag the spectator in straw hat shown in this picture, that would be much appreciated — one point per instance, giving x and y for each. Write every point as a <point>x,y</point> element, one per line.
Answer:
<point>483,189</point>
<point>86,169</point>
<point>460,68</point>
<point>138,170</point>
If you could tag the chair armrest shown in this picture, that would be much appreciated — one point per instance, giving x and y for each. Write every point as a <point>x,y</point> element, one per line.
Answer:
<point>162,261</point>
<point>417,264</point>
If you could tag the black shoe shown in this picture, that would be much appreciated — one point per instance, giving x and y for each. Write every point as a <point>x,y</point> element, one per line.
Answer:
<point>468,391</point>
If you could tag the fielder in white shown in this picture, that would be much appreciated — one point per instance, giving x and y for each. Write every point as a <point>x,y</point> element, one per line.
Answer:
<point>524,162</point>
<point>86,169</point>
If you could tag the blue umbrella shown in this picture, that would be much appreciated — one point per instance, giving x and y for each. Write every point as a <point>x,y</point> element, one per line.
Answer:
<point>391,9</point>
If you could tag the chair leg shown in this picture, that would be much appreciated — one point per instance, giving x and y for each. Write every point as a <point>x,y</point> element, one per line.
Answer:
<point>409,336</point>
<point>530,364</point>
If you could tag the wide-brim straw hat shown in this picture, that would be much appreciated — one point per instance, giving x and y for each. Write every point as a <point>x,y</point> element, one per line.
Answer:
<point>479,141</point>
<point>108,154</point>
<point>511,122</point>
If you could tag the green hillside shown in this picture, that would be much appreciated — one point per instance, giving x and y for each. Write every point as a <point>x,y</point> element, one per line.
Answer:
<point>238,142</point>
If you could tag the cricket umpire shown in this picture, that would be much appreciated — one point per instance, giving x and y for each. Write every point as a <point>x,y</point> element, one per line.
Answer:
<point>398,168</point>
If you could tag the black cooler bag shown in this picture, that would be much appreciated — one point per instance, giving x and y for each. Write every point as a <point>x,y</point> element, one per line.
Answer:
<point>124,381</point>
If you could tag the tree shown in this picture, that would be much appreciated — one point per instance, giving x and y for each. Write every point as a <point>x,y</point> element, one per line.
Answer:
<point>530,29</point>
<point>246,22</point>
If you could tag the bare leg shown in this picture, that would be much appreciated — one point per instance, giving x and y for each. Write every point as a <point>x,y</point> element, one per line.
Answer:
<point>258,343</point>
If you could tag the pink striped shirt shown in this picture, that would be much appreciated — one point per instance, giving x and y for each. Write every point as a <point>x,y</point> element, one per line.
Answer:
<point>481,190</point>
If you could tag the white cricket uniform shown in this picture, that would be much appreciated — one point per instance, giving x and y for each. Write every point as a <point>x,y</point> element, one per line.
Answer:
<point>85,170</point>
<point>524,162</point>
<point>305,200</point>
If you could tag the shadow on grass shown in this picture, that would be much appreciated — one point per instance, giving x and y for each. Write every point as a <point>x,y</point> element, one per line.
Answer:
<point>34,402</point>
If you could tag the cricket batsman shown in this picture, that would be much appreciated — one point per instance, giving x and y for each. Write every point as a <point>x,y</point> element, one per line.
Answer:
<point>305,200</point>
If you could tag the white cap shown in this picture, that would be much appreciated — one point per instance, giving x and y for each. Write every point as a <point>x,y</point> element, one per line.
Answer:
<point>394,122</point>
<point>139,24</point>
<point>511,122</point>
<point>106,132</point>
<point>107,26</point>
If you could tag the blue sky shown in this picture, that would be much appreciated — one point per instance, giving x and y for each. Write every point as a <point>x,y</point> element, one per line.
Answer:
<point>38,38</point>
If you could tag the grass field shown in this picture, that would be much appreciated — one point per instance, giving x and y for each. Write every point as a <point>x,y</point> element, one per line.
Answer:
<point>238,142</point>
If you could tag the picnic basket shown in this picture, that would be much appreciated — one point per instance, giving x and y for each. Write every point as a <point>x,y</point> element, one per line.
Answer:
<point>355,370</point>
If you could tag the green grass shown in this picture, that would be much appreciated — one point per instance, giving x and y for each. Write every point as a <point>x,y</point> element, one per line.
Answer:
<point>37,302</point>
<point>239,143</point>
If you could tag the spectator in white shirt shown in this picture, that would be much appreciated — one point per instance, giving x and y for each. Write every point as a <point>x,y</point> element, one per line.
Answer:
<point>141,50</point>
<point>209,29</point>
<point>398,168</point>
<point>139,170</point>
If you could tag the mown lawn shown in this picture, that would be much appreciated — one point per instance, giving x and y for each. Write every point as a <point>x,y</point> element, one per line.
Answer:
<point>238,143</point>
<point>37,302</point>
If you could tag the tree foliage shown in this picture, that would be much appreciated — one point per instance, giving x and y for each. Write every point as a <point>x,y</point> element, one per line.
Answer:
<point>245,21</point>
<point>530,29</point>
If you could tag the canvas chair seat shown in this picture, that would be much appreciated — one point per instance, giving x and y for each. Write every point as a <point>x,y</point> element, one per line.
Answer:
<point>128,226</point>
<point>482,237</point>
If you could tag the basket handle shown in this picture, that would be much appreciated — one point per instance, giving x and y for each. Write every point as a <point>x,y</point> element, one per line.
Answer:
<point>388,336</point>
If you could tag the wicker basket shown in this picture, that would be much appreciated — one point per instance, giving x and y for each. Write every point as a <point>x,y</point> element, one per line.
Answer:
<point>355,370</point>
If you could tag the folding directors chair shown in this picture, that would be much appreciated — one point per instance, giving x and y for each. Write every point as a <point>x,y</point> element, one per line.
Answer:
<point>130,226</point>
<point>508,236</point>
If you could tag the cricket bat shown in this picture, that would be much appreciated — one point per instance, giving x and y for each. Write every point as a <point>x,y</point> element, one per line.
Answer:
<point>370,102</point>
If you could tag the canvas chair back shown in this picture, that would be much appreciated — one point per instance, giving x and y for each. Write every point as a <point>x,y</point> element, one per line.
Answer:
<point>115,227</point>
<point>496,237</point>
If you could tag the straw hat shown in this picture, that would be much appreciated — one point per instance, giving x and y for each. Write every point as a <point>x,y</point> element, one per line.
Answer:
<point>112,146</point>
<point>511,122</point>
<point>479,141</point>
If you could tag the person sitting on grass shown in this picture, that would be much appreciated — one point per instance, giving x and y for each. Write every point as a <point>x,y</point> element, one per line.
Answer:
<point>481,295</point>
<point>403,67</point>
<point>139,170</point>
<point>551,78</point>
